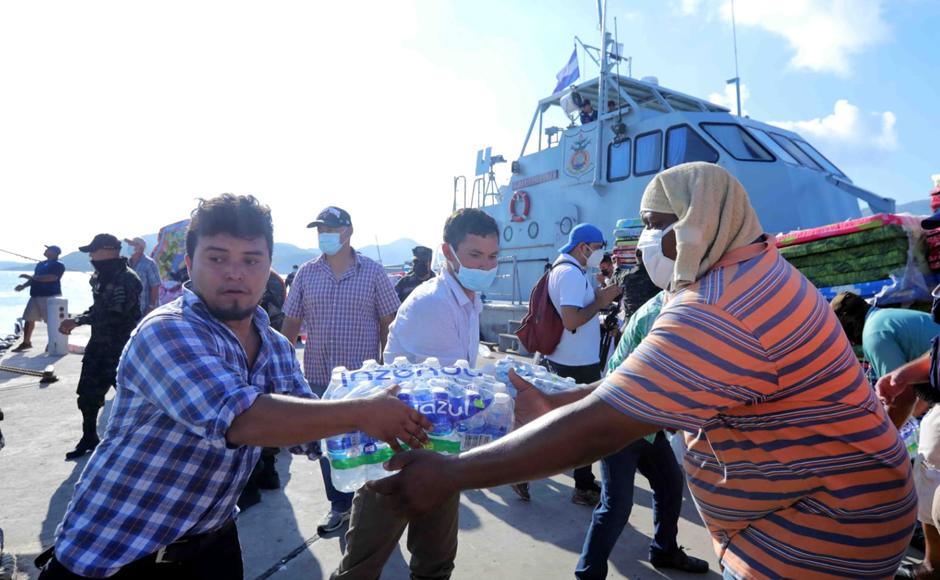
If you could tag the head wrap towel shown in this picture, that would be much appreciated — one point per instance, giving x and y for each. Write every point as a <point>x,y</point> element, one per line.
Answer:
<point>715,216</point>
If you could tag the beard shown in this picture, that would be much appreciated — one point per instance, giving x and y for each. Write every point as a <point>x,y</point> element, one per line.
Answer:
<point>231,313</point>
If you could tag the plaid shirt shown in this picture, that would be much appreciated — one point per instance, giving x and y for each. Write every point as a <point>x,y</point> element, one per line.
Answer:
<point>340,316</point>
<point>164,468</point>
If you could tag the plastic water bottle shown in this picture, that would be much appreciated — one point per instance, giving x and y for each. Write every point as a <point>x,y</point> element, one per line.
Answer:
<point>499,418</point>
<point>344,453</point>
<point>910,433</point>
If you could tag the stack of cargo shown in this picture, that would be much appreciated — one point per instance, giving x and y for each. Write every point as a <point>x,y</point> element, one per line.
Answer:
<point>932,237</point>
<point>625,238</point>
<point>863,255</point>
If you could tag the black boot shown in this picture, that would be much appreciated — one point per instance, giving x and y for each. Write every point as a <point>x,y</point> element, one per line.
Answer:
<point>89,439</point>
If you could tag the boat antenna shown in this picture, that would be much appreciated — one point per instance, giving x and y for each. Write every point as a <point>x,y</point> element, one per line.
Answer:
<point>378,249</point>
<point>737,77</point>
<point>616,45</point>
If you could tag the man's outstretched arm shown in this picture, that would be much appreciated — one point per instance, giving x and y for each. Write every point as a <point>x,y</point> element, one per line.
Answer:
<point>573,435</point>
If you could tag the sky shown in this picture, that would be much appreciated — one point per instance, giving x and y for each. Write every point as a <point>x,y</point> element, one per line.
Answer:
<point>116,116</point>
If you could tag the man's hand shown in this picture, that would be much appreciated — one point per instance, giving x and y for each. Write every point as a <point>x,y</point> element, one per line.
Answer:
<point>424,482</point>
<point>531,403</point>
<point>386,418</point>
<point>67,326</point>
<point>19,287</point>
<point>607,294</point>
<point>26,276</point>
<point>892,385</point>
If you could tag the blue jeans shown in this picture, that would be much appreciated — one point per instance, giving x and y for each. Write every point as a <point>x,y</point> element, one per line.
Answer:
<point>339,501</point>
<point>658,464</point>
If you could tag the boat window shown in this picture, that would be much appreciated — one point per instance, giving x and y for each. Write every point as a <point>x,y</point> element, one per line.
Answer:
<point>734,139</point>
<point>795,151</point>
<point>649,153</point>
<point>769,143</point>
<point>818,157</point>
<point>618,161</point>
<point>683,145</point>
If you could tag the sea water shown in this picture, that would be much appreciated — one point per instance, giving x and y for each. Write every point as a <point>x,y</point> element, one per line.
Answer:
<point>75,289</point>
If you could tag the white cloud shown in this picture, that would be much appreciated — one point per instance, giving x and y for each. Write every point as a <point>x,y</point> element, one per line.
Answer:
<point>729,98</point>
<point>689,7</point>
<point>824,34</point>
<point>849,129</point>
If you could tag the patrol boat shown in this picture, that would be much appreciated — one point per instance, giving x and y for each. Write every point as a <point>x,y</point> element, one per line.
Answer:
<point>596,172</point>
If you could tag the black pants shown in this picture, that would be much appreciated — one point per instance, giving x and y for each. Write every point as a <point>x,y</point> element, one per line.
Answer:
<point>584,375</point>
<point>219,560</point>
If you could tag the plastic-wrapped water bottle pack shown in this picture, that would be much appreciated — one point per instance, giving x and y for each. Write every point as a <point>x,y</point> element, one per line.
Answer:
<point>467,408</point>
<point>540,378</point>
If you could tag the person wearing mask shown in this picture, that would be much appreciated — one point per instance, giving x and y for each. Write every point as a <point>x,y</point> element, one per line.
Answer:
<point>203,385</point>
<point>45,283</point>
<point>452,301</point>
<point>115,311</point>
<point>578,303</point>
<point>346,304</point>
<point>148,272</point>
<point>793,463</point>
<point>420,272</point>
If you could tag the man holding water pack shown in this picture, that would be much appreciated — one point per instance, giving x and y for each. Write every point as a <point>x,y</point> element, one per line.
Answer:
<point>452,302</point>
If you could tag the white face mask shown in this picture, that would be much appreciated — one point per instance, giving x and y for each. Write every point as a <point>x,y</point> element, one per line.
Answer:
<point>595,259</point>
<point>659,268</point>
<point>329,243</point>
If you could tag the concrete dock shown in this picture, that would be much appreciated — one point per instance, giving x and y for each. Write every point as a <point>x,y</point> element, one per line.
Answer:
<point>501,536</point>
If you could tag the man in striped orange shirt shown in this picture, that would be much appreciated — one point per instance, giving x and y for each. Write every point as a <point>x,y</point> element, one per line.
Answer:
<point>793,463</point>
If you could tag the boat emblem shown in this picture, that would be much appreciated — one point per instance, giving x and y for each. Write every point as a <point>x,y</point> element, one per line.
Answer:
<point>578,149</point>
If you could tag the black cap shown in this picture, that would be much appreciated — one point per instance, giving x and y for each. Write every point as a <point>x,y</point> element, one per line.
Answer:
<point>102,241</point>
<point>332,217</point>
<point>421,252</point>
<point>931,222</point>
<point>55,249</point>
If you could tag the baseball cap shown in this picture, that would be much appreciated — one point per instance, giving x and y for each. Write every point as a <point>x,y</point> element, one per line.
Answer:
<point>931,222</point>
<point>136,241</point>
<point>583,234</point>
<point>55,249</point>
<point>332,217</point>
<point>101,241</point>
<point>421,252</point>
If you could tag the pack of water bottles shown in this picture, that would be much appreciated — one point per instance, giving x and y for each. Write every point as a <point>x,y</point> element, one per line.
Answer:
<point>540,378</point>
<point>466,408</point>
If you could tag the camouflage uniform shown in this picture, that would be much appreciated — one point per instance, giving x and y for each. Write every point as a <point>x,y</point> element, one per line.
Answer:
<point>112,316</point>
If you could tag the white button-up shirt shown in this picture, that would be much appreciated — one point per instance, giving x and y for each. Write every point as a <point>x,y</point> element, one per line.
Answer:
<point>438,319</point>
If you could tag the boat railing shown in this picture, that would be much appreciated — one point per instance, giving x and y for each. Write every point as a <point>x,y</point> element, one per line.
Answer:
<point>484,191</point>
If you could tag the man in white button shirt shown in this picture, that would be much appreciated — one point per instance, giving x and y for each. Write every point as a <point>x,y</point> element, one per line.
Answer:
<point>578,303</point>
<point>440,318</point>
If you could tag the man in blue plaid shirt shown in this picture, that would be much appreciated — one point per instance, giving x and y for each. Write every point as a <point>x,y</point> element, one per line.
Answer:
<point>203,384</point>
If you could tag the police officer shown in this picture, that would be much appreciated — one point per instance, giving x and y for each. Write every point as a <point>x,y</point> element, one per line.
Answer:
<point>420,272</point>
<point>114,313</point>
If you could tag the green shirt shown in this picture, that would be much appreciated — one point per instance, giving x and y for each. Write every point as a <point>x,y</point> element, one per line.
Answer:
<point>893,337</point>
<point>636,329</point>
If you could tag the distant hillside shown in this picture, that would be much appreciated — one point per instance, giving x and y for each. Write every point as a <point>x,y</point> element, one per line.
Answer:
<point>917,207</point>
<point>285,256</point>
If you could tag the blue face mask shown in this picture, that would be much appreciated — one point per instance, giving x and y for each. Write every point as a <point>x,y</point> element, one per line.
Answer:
<point>329,243</point>
<point>473,279</point>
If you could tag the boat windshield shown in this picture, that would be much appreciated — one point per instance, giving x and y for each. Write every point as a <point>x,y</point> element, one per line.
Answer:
<point>737,141</point>
<point>818,157</point>
<point>795,151</point>
<point>777,150</point>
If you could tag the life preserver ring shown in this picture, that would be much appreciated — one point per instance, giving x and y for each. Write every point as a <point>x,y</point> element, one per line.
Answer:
<point>517,198</point>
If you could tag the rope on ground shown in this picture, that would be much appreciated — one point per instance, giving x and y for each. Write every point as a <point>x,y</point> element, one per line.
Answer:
<point>46,375</point>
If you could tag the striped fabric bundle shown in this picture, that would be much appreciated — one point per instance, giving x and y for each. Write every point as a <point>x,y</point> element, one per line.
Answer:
<point>626,235</point>
<point>851,258</point>
<point>932,238</point>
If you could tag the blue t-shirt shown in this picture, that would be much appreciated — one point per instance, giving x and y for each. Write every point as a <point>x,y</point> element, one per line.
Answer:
<point>47,288</point>
<point>895,336</point>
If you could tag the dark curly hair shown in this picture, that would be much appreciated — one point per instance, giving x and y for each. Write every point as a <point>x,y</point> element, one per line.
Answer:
<point>241,216</point>
<point>466,221</point>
